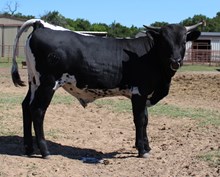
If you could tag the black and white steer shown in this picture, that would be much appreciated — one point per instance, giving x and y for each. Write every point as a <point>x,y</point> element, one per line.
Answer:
<point>90,67</point>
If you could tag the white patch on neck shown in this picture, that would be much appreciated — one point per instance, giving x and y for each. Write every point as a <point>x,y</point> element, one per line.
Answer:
<point>135,91</point>
<point>150,95</point>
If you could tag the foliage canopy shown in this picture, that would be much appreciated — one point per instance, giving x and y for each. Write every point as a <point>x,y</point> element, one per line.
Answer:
<point>115,29</point>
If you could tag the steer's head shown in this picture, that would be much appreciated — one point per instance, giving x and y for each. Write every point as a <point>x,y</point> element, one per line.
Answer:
<point>170,43</point>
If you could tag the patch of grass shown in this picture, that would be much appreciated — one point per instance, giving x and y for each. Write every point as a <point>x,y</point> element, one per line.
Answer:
<point>10,100</point>
<point>212,157</point>
<point>63,99</point>
<point>7,117</point>
<point>7,62</point>
<point>198,68</point>
<point>205,116</point>
<point>115,105</point>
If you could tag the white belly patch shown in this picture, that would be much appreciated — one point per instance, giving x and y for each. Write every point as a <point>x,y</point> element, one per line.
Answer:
<point>87,95</point>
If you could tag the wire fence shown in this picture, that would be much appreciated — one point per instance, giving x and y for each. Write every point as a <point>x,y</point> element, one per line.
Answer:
<point>6,52</point>
<point>200,56</point>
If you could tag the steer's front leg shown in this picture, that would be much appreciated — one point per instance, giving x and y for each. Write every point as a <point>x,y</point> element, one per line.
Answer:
<point>140,121</point>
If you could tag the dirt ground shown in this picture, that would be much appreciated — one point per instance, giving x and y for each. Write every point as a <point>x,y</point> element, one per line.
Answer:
<point>97,133</point>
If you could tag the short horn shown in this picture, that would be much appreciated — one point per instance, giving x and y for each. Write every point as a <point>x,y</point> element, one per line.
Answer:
<point>152,27</point>
<point>190,28</point>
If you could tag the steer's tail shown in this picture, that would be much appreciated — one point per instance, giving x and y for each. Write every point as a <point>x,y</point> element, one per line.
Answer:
<point>14,70</point>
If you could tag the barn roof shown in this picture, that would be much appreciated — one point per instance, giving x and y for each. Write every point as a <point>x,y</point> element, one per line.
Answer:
<point>12,17</point>
<point>96,33</point>
<point>210,34</point>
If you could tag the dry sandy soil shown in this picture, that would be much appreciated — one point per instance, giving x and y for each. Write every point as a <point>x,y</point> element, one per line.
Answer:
<point>103,134</point>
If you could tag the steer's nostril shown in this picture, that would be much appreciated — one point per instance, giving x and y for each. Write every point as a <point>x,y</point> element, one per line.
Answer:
<point>175,66</point>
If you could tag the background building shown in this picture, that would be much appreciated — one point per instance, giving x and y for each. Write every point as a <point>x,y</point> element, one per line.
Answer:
<point>9,27</point>
<point>206,49</point>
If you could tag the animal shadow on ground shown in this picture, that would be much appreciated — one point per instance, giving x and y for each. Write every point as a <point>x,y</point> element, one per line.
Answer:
<point>13,145</point>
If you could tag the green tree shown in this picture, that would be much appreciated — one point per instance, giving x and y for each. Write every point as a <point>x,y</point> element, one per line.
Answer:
<point>133,31</point>
<point>70,24</point>
<point>118,30</point>
<point>159,24</point>
<point>196,19</point>
<point>54,18</point>
<point>82,25</point>
<point>99,27</point>
<point>18,15</point>
<point>215,22</point>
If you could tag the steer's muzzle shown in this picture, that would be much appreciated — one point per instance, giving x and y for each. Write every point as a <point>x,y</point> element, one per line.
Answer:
<point>176,64</point>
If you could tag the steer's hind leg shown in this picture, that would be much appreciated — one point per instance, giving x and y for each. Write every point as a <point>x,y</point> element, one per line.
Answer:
<point>41,101</point>
<point>27,124</point>
<point>140,121</point>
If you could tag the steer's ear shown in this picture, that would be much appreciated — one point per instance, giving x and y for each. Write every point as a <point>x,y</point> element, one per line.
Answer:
<point>131,54</point>
<point>193,35</point>
<point>153,31</point>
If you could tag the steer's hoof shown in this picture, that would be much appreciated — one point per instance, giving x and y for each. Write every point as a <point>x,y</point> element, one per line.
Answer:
<point>29,152</point>
<point>144,154</point>
<point>46,155</point>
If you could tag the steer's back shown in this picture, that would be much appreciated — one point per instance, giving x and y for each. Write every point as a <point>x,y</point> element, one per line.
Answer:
<point>94,61</point>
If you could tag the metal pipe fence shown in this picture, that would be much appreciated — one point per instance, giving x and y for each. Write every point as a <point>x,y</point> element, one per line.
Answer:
<point>201,56</point>
<point>6,52</point>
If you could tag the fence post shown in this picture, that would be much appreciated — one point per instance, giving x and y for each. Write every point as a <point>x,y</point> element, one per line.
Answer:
<point>9,47</point>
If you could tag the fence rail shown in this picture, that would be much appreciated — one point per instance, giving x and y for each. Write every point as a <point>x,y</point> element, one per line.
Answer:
<point>6,52</point>
<point>202,56</point>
